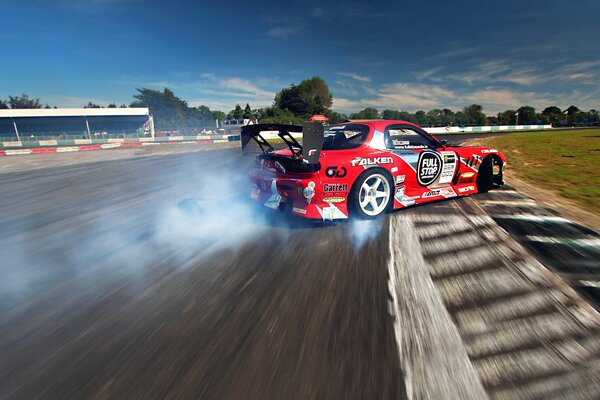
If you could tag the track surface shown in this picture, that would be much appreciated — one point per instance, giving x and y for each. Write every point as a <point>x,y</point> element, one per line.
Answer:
<point>112,286</point>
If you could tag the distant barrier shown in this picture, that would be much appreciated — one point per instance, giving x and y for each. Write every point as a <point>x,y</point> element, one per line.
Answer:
<point>124,141</point>
<point>489,128</point>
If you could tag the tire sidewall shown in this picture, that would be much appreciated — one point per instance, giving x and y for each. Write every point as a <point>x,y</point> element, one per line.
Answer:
<point>485,175</point>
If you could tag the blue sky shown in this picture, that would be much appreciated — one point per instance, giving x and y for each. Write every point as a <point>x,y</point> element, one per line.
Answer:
<point>405,55</point>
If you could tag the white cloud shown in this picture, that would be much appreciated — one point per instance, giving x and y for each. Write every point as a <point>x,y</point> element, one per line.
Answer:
<point>355,76</point>
<point>398,96</point>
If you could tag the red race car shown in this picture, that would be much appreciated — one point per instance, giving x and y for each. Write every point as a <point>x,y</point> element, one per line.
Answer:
<point>363,169</point>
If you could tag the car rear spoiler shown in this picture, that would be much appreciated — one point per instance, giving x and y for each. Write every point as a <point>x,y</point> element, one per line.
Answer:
<point>309,150</point>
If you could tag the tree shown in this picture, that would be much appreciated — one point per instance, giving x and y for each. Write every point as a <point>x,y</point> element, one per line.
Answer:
<point>3,105</point>
<point>475,114</point>
<point>248,112</point>
<point>91,105</point>
<point>572,110</point>
<point>461,119</point>
<point>171,112</point>
<point>23,101</point>
<point>275,115</point>
<point>434,117</point>
<point>367,113</point>
<point>112,105</point>
<point>448,117</point>
<point>236,113</point>
<point>554,114</point>
<point>219,115</point>
<point>527,115</point>
<point>335,117</point>
<point>421,118</point>
<point>311,96</point>
<point>508,117</point>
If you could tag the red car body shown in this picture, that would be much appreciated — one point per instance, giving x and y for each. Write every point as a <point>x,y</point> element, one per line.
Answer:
<point>349,177</point>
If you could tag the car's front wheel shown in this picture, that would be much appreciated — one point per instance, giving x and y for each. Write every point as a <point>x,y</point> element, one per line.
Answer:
<point>371,195</point>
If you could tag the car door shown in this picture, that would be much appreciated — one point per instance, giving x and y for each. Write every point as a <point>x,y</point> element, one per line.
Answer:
<point>432,167</point>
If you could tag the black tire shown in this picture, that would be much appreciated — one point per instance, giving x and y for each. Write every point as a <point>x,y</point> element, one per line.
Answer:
<point>358,195</point>
<point>485,175</point>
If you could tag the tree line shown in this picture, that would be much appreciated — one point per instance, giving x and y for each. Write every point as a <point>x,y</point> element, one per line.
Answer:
<point>297,103</point>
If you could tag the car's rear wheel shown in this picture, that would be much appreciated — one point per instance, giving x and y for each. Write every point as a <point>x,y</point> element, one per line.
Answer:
<point>485,175</point>
<point>371,194</point>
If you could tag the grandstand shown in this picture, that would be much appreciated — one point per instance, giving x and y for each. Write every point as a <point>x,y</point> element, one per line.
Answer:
<point>88,123</point>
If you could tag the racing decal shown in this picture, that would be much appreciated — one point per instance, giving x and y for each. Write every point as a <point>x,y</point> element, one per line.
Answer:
<point>309,191</point>
<point>472,161</point>
<point>400,179</point>
<point>399,192</point>
<point>487,151</point>
<point>335,172</point>
<point>334,199</point>
<point>429,168</point>
<point>364,162</point>
<point>449,167</point>
<point>330,213</point>
<point>299,210</point>
<point>445,192</point>
<point>335,187</point>
<point>433,193</point>
<point>466,177</point>
<point>394,169</point>
<point>466,189</point>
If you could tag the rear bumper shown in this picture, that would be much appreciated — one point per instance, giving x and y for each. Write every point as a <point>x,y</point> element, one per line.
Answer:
<point>301,197</point>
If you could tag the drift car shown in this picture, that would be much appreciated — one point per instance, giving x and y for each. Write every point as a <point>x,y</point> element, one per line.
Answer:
<point>363,169</point>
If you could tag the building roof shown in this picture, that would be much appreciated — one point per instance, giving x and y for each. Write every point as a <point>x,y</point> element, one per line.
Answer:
<point>73,112</point>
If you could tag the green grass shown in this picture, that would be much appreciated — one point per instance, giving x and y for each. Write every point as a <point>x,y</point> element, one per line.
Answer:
<point>565,161</point>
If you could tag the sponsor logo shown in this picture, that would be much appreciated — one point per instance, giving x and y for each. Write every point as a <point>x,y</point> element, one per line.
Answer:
<point>467,174</point>
<point>334,172</point>
<point>335,187</point>
<point>429,167</point>
<point>449,158</point>
<point>400,179</point>
<point>309,191</point>
<point>400,191</point>
<point>394,169</point>
<point>433,193</point>
<point>363,162</point>
<point>447,192</point>
<point>487,151</point>
<point>299,210</point>
<point>466,189</point>
<point>334,199</point>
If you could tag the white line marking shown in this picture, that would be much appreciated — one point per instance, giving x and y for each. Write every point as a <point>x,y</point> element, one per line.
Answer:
<point>590,283</point>
<point>534,218</point>
<point>509,202</point>
<point>566,241</point>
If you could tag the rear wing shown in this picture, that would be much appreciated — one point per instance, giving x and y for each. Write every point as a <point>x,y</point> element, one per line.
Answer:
<point>309,149</point>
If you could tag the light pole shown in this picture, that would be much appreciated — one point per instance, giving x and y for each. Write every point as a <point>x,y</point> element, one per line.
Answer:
<point>517,114</point>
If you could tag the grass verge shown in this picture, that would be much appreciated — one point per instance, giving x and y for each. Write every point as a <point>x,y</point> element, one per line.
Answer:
<point>565,161</point>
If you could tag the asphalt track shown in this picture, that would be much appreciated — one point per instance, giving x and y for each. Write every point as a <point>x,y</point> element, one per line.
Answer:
<point>151,277</point>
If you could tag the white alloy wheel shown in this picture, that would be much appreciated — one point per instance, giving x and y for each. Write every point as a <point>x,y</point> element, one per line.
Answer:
<point>374,195</point>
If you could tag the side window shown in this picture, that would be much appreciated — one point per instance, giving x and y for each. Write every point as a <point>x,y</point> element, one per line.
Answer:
<point>403,137</point>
